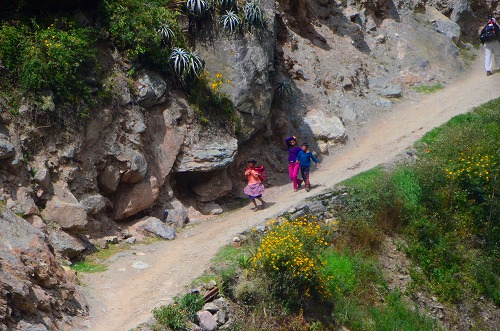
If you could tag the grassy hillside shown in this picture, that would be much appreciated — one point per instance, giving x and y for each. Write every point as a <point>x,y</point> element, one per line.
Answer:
<point>312,274</point>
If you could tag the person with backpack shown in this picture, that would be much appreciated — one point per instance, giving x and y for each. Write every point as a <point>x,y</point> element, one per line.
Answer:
<point>255,187</point>
<point>293,165</point>
<point>490,38</point>
<point>304,158</point>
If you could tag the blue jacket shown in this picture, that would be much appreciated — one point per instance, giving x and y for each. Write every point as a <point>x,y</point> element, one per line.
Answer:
<point>305,159</point>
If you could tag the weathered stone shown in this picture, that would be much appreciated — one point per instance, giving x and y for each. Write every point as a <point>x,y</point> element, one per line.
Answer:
<point>158,228</point>
<point>384,88</point>
<point>93,204</point>
<point>150,88</point>
<point>6,148</point>
<point>134,121</point>
<point>178,217</point>
<point>211,307</point>
<point>209,153</point>
<point>109,179</point>
<point>34,289</point>
<point>111,239</point>
<point>131,240</point>
<point>135,164</point>
<point>36,221</point>
<point>42,177</point>
<point>217,185</point>
<point>329,128</point>
<point>210,208</point>
<point>248,65</point>
<point>165,137</point>
<point>206,320</point>
<point>25,204</point>
<point>443,24</point>
<point>63,208</point>
<point>66,245</point>
<point>131,199</point>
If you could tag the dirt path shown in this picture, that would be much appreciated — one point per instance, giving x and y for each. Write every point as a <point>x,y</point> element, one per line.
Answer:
<point>123,296</point>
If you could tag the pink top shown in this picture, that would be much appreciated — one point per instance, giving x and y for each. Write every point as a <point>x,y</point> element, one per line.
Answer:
<point>252,176</point>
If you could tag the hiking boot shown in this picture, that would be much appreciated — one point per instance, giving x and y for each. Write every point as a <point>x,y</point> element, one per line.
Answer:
<point>307,189</point>
<point>300,183</point>
<point>488,73</point>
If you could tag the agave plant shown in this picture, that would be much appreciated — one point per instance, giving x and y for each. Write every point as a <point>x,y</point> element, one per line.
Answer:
<point>253,14</point>
<point>166,32</point>
<point>226,4</point>
<point>230,21</point>
<point>186,63</point>
<point>179,59</point>
<point>196,64</point>
<point>284,89</point>
<point>198,7</point>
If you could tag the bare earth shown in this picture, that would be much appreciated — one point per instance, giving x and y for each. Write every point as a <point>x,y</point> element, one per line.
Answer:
<point>123,296</point>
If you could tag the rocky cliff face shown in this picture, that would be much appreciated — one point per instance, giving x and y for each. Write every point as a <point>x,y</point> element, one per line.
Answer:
<point>317,69</point>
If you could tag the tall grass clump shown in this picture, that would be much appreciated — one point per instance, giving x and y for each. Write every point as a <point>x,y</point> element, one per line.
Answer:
<point>290,256</point>
<point>176,315</point>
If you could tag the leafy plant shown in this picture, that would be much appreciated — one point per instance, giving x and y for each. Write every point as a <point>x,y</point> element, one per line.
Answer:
<point>88,266</point>
<point>253,15</point>
<point>167,33</point>
<point>190,303</point>
<point>171,316</point>
<point>230,21</point>
<point>428,89</point>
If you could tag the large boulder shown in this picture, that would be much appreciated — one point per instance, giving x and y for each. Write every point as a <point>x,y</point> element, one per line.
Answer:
<point>131,199</point>
<point>65,210</point>
<point>323,127</point>
<point>150,88</point>
<point>109,179</point>
<point>66,245</point>
<point>206,152</point>
<point>216,185</point>
<point>165,137</point>
<point>34,290</point>
<point>25,204</point>
<point>246,64</point>
<point>443,24</point>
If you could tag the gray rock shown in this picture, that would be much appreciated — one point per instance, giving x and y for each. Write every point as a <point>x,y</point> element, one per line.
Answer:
<point>206,320</point>
<point>322,127</point>
<point>210,208</point>
<point>140,265</point>
<point>64,209</point>
<point>207,154</point>
<point>131,240</point>
<point>93,204</point>
<point>6,148</point>
<point>25,204</point>
<point>248,65</point>
<point>135,121</point>
<point>42,177</point>
<point>138,166</point>
<point>383,103</point>
<point>66,245</point>
<point>150,88</point>
<point>177,217</point>
<point>109,179</point>
<point>158,228</point>
<point>215,185</point>
<point>443,24</point>
<point>385,89</point>
<point>211,307</point>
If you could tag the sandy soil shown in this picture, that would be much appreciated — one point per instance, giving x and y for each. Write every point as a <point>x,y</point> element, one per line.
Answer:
<point>124,295</point>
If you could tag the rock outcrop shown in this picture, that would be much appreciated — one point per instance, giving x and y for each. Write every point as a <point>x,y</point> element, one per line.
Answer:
<point>36,293</point>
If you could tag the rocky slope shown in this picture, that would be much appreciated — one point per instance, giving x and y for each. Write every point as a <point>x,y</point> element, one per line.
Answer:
<point>318,69</point>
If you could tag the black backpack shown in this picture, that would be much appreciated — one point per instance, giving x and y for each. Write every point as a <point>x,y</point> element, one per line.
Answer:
<point>489,33</point>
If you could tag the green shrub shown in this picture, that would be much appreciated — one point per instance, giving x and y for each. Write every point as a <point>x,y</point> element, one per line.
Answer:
<point>144,28</point>
<point>191,303</point>
<point>171,316</point>
<point>289,255</point>
<point>428,89</point>
<point>253,16</point>
<point>88,266</point>
<point>55,57</point>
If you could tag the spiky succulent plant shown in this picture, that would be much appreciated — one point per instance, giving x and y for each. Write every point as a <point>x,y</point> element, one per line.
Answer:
<point>226,4</point>
<point>230,21</point>
<point>186,63</point>
<point>166,32</point>
<point>253,14</point>
<point>198,7</point>
<point>284,89</point>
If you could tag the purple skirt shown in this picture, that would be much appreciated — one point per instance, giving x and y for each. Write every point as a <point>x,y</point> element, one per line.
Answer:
<point>254,191</point>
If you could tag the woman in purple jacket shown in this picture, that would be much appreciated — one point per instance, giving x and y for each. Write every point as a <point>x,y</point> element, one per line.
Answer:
<point>293,164</point>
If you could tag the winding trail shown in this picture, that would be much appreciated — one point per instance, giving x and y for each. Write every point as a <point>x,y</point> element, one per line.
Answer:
<point>122,297</point>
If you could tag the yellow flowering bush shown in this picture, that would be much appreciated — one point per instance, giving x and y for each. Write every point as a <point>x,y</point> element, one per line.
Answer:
<point>290,255</point>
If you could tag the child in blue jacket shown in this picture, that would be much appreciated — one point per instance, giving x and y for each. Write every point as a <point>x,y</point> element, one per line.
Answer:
<point>304,157</point>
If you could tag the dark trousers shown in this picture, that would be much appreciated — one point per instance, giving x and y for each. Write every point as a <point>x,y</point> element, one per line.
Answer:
<point>304,171</point>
